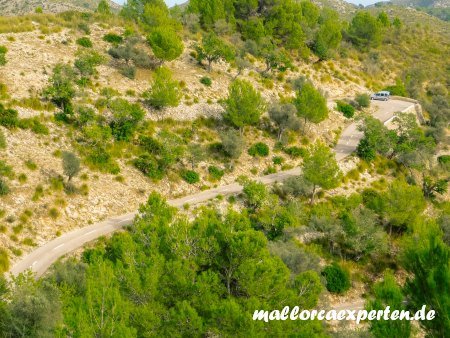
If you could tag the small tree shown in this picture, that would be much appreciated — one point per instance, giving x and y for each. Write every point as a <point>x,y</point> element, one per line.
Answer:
<point>71,164</point>
<point>3,51</point>
<point>103,8</point>
<point>196,154</point>
<point>388,293</point>
<point>244,104</point>
<point>365,30</point>
<point>284,116</point>
<point>61,90</point>
<point>165,91</point>
<point>232,143</point>
<point>212,50</point>
<point>321,169</point>
<point>338,279</point>
<point>310,104</point>
<point>165,43</point>
<point>328,36</point>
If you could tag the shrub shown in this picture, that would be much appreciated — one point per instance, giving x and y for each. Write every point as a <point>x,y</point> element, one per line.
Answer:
<point>338,280</point>
<point>206,81</point>
<point>3,91</point>
<point>34,125</point>
<point>4,261</point>
<point>128,71</point>
<point>22,178</point>
<point>277,160</point>
<point>126,117</point>
<point>4,189</point>
<point>113,38</point>
<point>9,118</point>
<point>365,151</point>
<point>190,176</point>
<point>165,43</point>
<point>149,166</point>
<point>53,213</point>
<point>296,186</point>
<point>3,51</point>
<point>165,92</point>
<point>215,173</point>
<point>363,100</point>
<point>85,42</point>
<point>71,164</point>
<point>345,109</point>
<point>2,140</point>
<point>232,143</point>
<point>296,152</point>
<point>398,89</point>
<point>259,149</point>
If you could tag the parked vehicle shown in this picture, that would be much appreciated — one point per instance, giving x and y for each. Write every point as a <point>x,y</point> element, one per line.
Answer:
<point>382,96</point>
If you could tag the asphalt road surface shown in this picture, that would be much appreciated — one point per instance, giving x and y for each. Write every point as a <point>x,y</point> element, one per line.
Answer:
<point>42,258</point>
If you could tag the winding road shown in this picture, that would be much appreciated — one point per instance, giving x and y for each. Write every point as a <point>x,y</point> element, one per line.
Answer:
<point>39,260</point>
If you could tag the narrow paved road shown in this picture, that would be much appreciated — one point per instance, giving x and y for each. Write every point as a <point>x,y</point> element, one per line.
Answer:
<point>40,259</point>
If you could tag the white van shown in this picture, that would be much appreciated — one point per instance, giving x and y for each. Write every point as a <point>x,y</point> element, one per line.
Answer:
<point>382,96</point>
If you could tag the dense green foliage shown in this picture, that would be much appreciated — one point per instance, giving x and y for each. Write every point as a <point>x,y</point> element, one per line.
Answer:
<point>320,168</point>
<point>346,109</point>
<point>177,278</point>
<point>338,280</point>
<point>165,43</point>
<point>259,149</point>
<point>244,104</point>
<point>310,103</point>
<point>164,91</point>
<point>85,42</point>
<point>71,164</point>
<point>3,51</point>
<point>388,293</point>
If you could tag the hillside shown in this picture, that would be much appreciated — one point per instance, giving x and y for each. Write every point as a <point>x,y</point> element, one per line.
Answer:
<point>21,7</point>
<point>423,3</point>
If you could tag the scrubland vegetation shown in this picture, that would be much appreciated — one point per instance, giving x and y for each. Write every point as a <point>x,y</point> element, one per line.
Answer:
<point>203,271</point>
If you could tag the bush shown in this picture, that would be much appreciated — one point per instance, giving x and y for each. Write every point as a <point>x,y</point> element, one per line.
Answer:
<point>165,92</point>
<point>232,143</point>
<point>277,160</point>
<point>9,118</point>
<point>128,71</point>
<point>296,152</point>
<point>34,125</point>
<point>4,261</point>
<point>398,89</point>
<point>113,38</point>
<point>215,173</point>
<point>190,176</point>
<point>2,140</point>
<point>85,42</point>
<point>206,81</point>
<point>4,189</point>
<point>3,51</point>
<point>259,149</point>
<point>71,164</point>
<point>296,186</point>
<point>338,280</point>
<point>363,100</point>
<point>345,109</point>
<point>149,166</point>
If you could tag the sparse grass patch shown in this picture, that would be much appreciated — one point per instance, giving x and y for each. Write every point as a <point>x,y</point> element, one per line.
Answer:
<point>54,213</point>
<point>38,193</point>
<point>22,178</point>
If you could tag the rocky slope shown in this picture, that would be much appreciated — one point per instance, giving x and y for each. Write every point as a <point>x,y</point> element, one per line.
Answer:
<point>20,7</point>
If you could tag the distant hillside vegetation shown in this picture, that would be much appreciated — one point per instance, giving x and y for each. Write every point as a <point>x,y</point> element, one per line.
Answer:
<point>423,3</point>
<point>20,7</point>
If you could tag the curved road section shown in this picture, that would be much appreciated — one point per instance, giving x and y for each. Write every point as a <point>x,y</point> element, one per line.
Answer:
<point>39,260</point>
